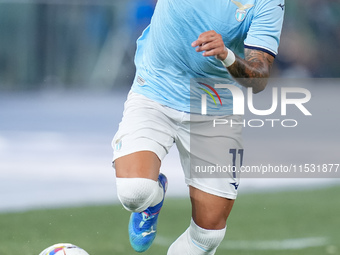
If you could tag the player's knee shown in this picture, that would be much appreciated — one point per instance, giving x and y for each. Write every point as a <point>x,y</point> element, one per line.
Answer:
<point>136,194</point>
<point>211,222</point>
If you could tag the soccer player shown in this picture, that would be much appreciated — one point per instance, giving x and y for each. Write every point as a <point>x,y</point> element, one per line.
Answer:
<point>224,39</point>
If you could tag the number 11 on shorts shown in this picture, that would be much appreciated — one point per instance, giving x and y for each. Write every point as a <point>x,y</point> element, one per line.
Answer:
<point>235,153</point>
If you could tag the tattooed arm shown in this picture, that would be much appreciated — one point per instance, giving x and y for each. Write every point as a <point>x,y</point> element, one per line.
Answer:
<point>253,71</point>
<point>255,67</point>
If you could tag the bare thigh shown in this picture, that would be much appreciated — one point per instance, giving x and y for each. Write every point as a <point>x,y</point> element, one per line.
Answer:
<point>141,164</point>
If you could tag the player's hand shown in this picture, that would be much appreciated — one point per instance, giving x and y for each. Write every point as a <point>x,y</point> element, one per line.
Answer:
<point>211,44</point>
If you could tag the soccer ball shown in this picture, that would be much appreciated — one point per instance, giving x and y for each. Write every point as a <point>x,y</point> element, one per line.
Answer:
<point>63,249</point>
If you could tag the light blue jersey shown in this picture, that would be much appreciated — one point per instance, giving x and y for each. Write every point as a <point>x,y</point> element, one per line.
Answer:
<point>166,62</point>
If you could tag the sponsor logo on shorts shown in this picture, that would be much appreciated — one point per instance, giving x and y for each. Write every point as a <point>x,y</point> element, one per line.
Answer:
<point>118,144</point>
<point>235,185</point>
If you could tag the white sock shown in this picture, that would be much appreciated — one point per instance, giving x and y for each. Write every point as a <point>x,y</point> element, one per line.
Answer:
<point>197,241</point>
<point>137,194</point>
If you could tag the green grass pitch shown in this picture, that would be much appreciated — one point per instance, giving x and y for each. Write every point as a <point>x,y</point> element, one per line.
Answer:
<point>260,224</point>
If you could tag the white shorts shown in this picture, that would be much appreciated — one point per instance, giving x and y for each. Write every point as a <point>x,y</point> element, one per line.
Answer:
<point>210,156</point>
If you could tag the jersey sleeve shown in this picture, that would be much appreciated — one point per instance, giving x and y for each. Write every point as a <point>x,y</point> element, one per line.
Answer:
<point>265,30</point>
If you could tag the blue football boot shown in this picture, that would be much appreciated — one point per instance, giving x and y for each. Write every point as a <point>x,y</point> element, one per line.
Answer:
<point>143,225</point>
